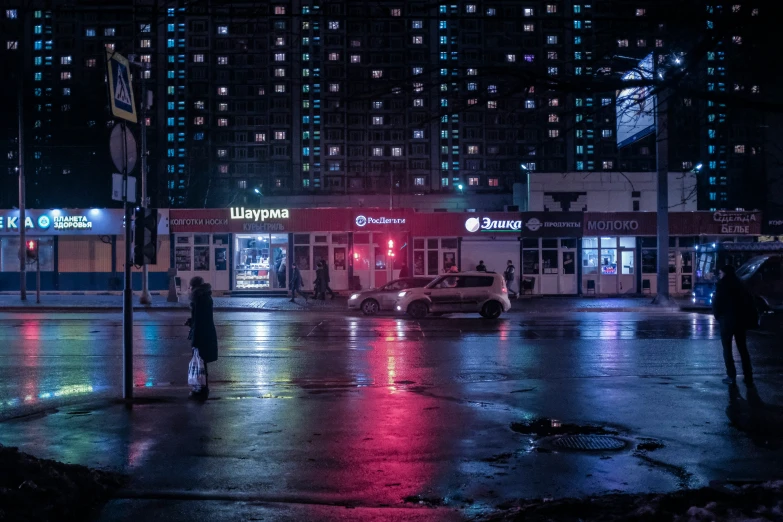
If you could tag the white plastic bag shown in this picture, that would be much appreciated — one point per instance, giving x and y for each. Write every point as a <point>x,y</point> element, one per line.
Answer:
<point>197,372</point>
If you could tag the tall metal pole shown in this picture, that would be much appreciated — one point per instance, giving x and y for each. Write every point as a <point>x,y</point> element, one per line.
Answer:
<point>662,159</point>
<point>127,294</point>
<point>22,210</point>
<point>145,299</point>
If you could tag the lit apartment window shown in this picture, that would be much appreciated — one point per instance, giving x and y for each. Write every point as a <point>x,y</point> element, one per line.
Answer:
<point>223,169</point>
<point>66,91</point>
<point>551,39</point>
<point>222,29</point>
<point>90,62</point>
<point>198,58</point>
<point>222,122</point>
<point>553,133</point>
<point>146,58</point>
<point>377,151</point>
<point>552,71</point>
<point>222,60</point>
<point>377,73</point>
<point>492,104</point>
<point>334,25</point>
<point>551,8</point>
<point>530,104</point>
<point>280,72</point>
<point>472,101</point>
<point>199,104</point>
<point>10,13</point>
<point>473,181</point>
<point>65,75</point>
<point>754,12</point>
<point>356,58</point>
<point>280,40</point>
<point>737,40</point>
<point>377,120</point>
<point>260,137</point>
<point>90,32</point>
<point>279,135</point>
<point>396,151</point>
<point>470,8</point>
<point>146,44</point>
<point>12,45</point>
<point>687,165</point>
<point>511,58</point>
<point>473,149</point>
<point>658,43</point>
<point>418,102</point>
<point>334,87</point>
<point>108,31</point>
<point>334,151</point>
<point>396,12</point>
<point>554,102</point>
<point>279,10</point>
<point>222,153</point>
<point>417,24</point>
<point>622,42</point>
<point>552,55</point>
<point>222,107</point>
<point>641,42</point>
<point>144,28</point>
<point>65,60</point>
<point>333,57</point>
<point>528,28</point>
<point>492,182</point>
<point>222,91</point>
<point>641,12</point>
<point>419,181</point>
<point>528,11</point>
<point>739,149</point>
<point>554,118</point>
<point>417,39</point>
<point>418,87</point>
<point>472,72</point>
<point>418,134</point>
<point>198,120</point>
<point>607,165</point>
<point>606,133</point>
<point>279,57</point>
<point>377,105</point>
<point>109,46</point>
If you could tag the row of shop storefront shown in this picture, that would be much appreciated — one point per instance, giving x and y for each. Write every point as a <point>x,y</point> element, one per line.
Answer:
<point>251,250</point>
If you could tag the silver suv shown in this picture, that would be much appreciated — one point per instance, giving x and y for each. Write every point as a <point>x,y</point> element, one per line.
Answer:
<point>482,292</point>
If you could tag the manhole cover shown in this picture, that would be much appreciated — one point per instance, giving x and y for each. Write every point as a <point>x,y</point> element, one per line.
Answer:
<point>589,443</point>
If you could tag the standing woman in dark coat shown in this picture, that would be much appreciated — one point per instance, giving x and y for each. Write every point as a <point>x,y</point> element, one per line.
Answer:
<point>202,327</point>
<point>734,309</point>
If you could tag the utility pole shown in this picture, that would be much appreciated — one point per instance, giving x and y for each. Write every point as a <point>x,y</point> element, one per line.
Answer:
<point>662,166</point>
<point>145,299</point>
<point>22,213</point>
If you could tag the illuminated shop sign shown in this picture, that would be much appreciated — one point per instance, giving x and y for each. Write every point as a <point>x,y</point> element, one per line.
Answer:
<point>614,225</point>
<point>734,222</point>
<point>44,222</point>
<point>363,220</point>
<point>486,224</point>
<point>261,214</point>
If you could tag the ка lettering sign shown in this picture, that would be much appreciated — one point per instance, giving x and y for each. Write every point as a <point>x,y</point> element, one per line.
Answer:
<point>43,222</point>
<point>492,225</point>
<point>259,214</point>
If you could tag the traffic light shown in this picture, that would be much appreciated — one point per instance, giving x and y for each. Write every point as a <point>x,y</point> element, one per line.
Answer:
<point>32,249</point>
<point>390,253</point>
<point>145,248</point>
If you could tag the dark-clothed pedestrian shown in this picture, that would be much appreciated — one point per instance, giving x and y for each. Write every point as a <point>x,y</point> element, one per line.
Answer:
<point>403,271</point>
<point>296,283</point>
<point>203,335</point>
<point>509,274</point>
<point>481,267</point>
<point>320,281</point>
<point>326,280</point>
<point>733,307</point>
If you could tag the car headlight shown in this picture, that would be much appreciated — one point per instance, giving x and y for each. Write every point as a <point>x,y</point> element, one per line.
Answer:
<point>354,296</point>
<point>402,294</point>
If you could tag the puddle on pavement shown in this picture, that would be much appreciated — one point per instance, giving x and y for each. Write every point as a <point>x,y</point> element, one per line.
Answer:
<point>649,445</point>
<point>544,427</point>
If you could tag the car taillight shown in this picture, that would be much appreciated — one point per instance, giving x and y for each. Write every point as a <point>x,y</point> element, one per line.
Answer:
<point>505,290</point>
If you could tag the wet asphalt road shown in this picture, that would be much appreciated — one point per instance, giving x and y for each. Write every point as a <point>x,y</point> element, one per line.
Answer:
<point>313,410</point>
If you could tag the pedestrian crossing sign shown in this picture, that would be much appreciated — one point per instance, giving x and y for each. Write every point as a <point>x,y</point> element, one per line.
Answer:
<point>120,91</point>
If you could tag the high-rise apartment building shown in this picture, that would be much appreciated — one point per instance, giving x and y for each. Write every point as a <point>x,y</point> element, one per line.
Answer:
<point>253,99</point>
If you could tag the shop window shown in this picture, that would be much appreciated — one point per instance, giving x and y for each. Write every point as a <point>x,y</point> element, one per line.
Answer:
<point>418,243</point>
<point>302,255</point>
<point>380,258</point>
<point>589,255</point>
<point>649,261</point>
<point>432,243</point>
<point>649,242</point>
<point>549,243</point>
<point>530,242</point>
<point>449,243</point>
<point>182,257</point>
<point>627,242</point>
<point>361,239</point>
<point>432,262</point>
<point>320,239</point>
<point>201,258</point>
<point>530,263</point>
<point>549,261</point>
<point>201,239</point>
<point>688,242</point>
<point>568,243</point>
<point>569,264</point>
<point>339,239</point>
<point>320,253</point>
<point>220,239</point>
<point>301,239</point>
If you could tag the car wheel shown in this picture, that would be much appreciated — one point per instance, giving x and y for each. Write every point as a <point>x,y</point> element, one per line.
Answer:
<point>491,310</point>
<point>418,309</point>
<point>370,307</point>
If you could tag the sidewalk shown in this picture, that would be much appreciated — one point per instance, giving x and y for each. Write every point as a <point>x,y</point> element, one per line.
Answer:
<point>107,303</point>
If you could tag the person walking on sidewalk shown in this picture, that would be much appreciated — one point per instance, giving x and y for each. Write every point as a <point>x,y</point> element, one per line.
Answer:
<point>320,281</point>
<point>403,270</point>
<point>481,267</point>
<point>733,307</point>
<point>203,336</point>
<point>326,280</point>
<point>509,274</point>
<point>295,285</point>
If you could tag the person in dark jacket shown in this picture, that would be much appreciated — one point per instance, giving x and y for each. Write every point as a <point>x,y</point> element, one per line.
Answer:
<point>295,284</point>
<point>481,267</point>
<point>509,274</point>
<point>403,270</point>
<point>202,328</point>
<point>733,307</point>
<point>326,280</point>
<point>320,281</point>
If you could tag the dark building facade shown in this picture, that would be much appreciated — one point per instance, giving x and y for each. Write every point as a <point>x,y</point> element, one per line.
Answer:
<point>255,99</point>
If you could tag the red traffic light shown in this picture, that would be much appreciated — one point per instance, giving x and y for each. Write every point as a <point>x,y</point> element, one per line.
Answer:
<point>391,243</point>
<point>31,245</point>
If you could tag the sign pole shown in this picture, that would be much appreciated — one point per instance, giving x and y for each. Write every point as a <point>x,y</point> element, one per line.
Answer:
<point>38,271</point>
<point>22,213</point>
<point>145,298</point>
<point>127,294</point>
